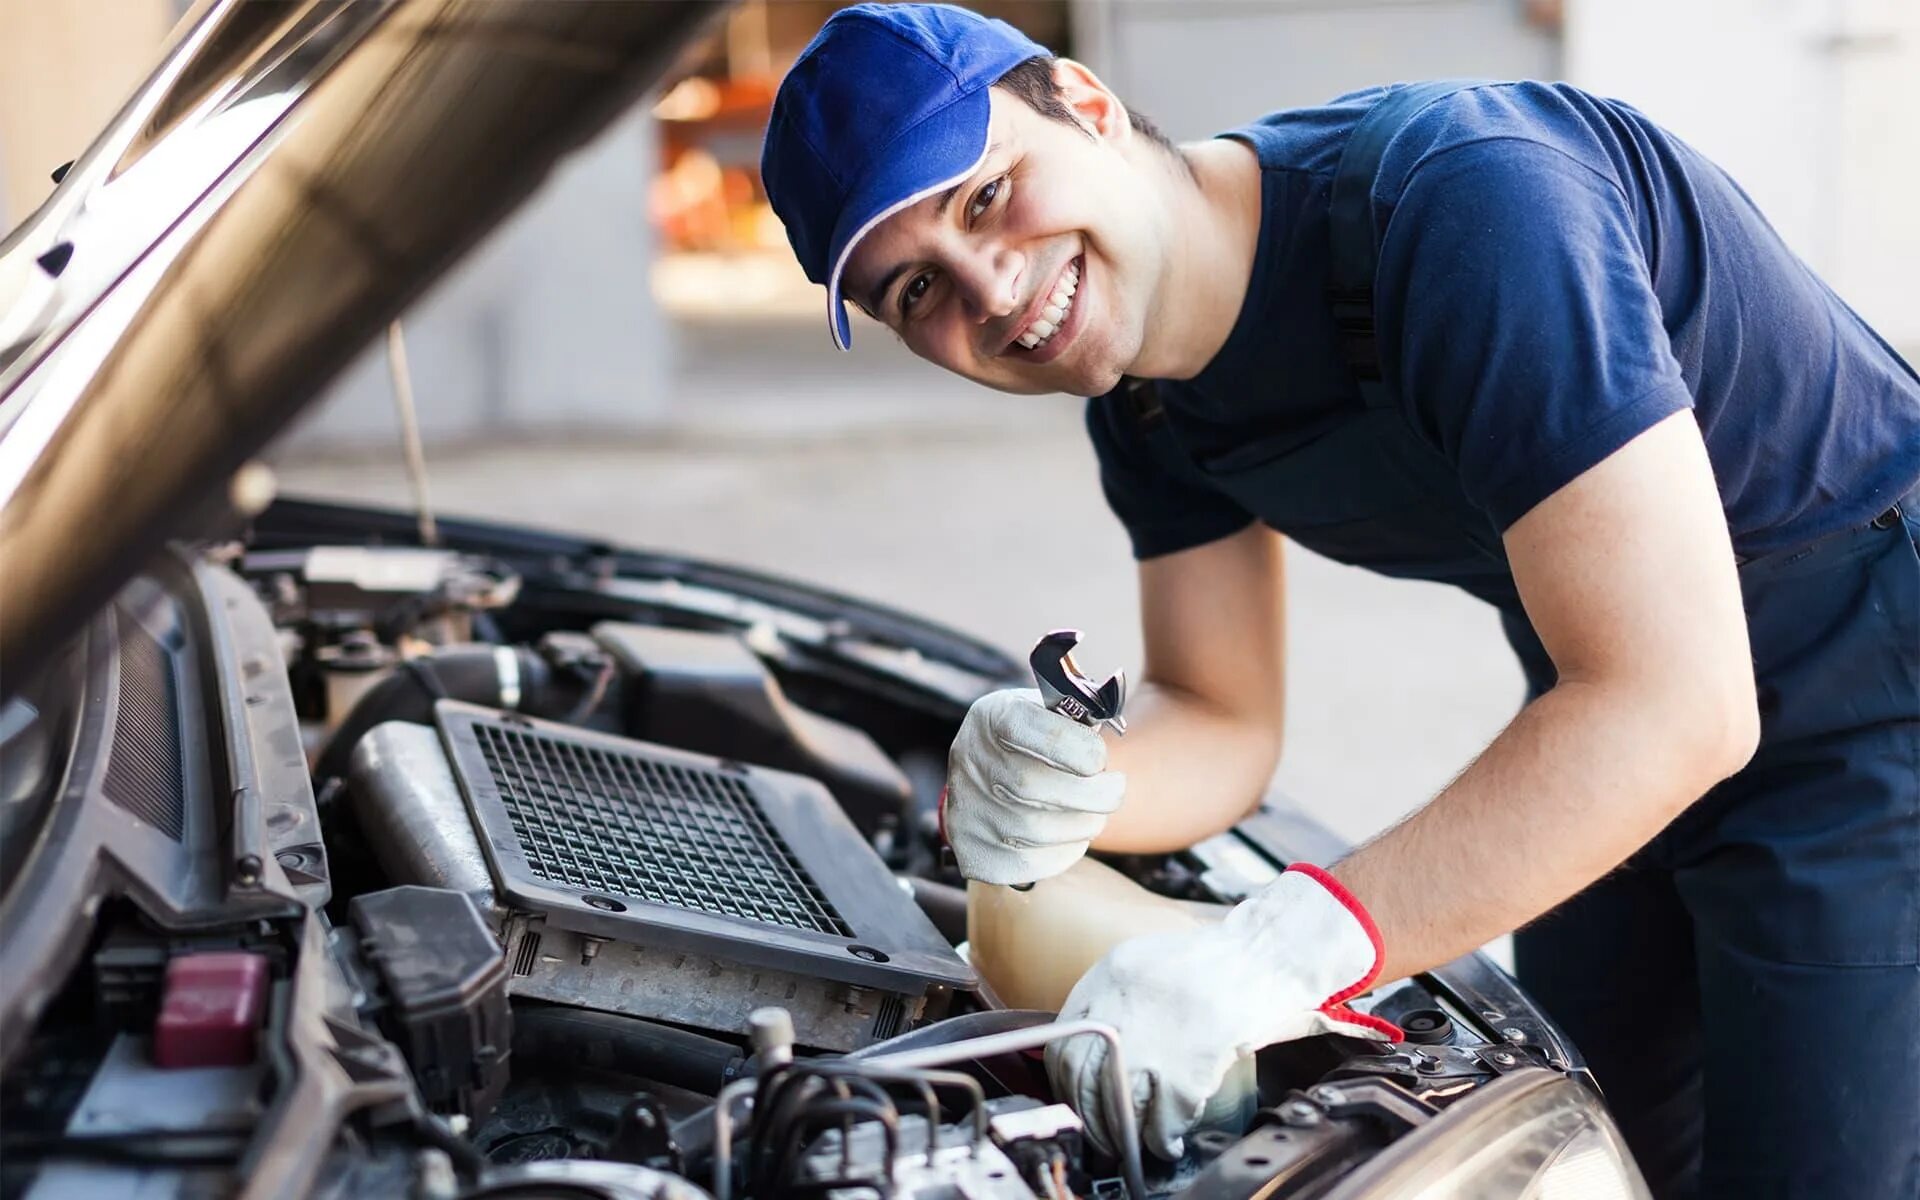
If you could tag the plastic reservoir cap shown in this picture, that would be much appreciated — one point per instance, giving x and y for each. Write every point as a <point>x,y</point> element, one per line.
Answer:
<point>772,1032</point>
<point>210,1010</point>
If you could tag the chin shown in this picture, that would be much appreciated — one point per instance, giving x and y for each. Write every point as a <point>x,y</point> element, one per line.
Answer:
<point>1095,381</point>
<point>1075,381</point>
<point>1097,370</point>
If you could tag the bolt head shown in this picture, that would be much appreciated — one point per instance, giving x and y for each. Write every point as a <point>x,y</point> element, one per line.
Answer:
<point>1514,1034</point>
<point>1504,1057</point>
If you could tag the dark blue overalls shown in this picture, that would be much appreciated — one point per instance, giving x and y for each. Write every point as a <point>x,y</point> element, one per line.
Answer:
<point>1747,988</point>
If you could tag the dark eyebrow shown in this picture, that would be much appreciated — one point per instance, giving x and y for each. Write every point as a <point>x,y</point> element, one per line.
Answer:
<point>877,294</point>
<point>946,197</point>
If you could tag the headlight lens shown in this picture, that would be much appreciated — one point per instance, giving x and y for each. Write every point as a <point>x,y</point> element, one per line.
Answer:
<point>1528,1136</point>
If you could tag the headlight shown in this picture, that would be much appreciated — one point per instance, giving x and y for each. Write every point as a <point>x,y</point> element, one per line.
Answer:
<point>1531,1135</point>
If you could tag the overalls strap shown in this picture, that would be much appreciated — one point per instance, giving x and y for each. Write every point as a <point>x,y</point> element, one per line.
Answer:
<point>1356,254</point>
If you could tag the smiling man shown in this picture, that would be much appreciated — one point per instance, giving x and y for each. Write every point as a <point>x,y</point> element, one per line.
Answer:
<point>1508,336</point>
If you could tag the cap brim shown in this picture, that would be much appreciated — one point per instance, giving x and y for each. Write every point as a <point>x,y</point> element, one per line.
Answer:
<point>940,151</point>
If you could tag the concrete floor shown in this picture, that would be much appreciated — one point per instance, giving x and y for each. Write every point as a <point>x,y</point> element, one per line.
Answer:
<point>874,475</point>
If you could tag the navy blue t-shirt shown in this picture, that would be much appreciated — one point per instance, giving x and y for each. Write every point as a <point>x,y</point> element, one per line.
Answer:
<point>1557,274</point>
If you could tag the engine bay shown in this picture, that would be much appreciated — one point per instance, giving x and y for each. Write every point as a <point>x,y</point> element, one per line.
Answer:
<point>522,866</point>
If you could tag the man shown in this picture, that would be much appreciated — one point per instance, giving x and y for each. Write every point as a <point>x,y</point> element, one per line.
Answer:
<point>1600,394</point>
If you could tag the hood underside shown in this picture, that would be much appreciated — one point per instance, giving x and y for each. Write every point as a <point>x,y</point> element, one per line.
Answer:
<point>283,186</point>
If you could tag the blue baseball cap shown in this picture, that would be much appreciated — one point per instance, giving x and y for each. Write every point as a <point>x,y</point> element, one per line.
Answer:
<point>886,106</point>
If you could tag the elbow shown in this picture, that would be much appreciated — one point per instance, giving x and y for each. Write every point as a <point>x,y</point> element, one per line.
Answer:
<point>1263,743</point>
<point>1726,730</point>
<point>1700,729</point>
<point>1740,732</point>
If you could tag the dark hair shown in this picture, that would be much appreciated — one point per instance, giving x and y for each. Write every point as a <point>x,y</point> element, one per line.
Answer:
<point>1033,82</point>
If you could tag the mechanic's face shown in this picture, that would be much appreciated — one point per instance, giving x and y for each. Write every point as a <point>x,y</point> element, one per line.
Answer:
<point>1037,273</point>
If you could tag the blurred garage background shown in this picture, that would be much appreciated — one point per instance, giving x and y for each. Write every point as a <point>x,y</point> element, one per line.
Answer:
<point>636,356</point>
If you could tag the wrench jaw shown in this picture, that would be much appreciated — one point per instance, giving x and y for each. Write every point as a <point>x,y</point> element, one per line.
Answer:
<point>1065,689</point>
<point>1113,697</point>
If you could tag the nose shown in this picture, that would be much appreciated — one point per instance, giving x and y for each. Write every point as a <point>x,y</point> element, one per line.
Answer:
<point>988,277</point>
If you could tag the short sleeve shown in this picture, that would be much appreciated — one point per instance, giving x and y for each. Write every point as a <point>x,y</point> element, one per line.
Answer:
<point>1161,498</point>
<point>1519,320</point>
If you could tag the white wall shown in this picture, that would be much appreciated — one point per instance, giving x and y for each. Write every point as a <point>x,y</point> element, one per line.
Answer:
<point>65,67</point>
<point>1812,105</point>
<point>1198,66</point>
<point>549,327</point>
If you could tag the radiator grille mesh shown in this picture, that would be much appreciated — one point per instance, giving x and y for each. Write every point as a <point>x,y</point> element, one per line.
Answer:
<point>666,833</point>
<point>143,775</point>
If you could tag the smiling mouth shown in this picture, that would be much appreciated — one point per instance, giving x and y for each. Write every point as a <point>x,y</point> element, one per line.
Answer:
<point>1053,314</point>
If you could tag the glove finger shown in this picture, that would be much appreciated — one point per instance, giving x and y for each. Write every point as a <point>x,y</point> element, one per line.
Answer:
<point>1343,1020</point>
<point>1167,1117</point>
<point>1115,1120</point>
<point>1076,1067</point>
<point>1050,791</point>
<point>992,861</point>
<point>1041,827</point>
<point>1029,729</point>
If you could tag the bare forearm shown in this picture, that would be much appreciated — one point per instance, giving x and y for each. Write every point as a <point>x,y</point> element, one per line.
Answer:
<point>1582,778</point>
<point>1193,769</point>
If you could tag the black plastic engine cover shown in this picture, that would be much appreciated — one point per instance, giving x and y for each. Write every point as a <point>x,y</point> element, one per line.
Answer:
<point>442,994</point>
<point>710,693</point>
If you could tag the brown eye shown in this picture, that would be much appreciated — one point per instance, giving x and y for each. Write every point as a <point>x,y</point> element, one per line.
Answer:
<point>984,198</point>
<point>916,288</point>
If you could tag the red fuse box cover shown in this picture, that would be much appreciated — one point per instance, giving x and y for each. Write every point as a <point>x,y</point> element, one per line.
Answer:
<point>210,1010</point>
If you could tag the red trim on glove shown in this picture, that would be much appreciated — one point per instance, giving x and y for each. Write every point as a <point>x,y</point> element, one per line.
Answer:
<point>1385,1028</point>
<point>1334,1005</point>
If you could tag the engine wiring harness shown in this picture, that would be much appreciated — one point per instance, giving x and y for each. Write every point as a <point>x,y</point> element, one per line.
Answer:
<point>793,1104</point>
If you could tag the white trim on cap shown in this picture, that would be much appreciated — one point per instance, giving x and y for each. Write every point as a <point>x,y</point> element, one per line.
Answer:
<point>833,281</point>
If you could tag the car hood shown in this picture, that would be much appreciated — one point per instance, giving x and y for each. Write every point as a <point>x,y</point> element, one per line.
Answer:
<point>282,186</point>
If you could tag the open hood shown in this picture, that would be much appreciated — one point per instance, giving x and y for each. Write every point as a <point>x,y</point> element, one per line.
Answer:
<point>288,180</point>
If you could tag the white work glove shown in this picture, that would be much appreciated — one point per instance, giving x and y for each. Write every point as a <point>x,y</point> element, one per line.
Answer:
<point>1189,1005</point>
<point>1027,789</point>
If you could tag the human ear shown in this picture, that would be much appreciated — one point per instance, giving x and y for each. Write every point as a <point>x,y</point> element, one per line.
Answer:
<point>1090,100</point>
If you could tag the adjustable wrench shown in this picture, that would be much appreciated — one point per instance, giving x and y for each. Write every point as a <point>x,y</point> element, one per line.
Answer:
<point>1065,690</point>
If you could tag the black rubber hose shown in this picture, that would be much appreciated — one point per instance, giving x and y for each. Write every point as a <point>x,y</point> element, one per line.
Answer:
<point>554,1036</point>
<point>466,672</point>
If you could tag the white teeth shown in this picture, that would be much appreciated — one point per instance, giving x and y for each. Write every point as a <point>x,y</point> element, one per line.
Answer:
<point>1054,313</point>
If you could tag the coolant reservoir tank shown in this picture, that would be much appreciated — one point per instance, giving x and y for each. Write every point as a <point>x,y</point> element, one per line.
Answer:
<point>1033,946</point>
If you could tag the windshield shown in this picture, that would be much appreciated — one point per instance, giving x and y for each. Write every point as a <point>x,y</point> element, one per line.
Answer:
<point>36,739</point>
